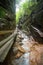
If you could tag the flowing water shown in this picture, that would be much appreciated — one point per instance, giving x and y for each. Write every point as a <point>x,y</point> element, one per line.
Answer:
<point>29,52</point>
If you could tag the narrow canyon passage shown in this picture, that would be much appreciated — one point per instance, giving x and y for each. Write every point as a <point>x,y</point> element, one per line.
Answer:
<point>21,32</point>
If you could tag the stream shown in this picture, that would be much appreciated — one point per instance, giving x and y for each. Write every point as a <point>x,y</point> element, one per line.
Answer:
<point>25,51</point>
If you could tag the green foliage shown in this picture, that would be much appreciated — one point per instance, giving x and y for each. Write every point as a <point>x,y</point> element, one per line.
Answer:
<point>2,12</point>
<point>25,9</point>
<point>19,14</point>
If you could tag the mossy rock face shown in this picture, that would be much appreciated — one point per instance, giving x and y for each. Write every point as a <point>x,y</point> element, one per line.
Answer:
<point>37,22</point>
<point>7,15</point>
<point>7,18</point>
<point>36,35</point>
<point>7,21</point>
<point>9,5</point>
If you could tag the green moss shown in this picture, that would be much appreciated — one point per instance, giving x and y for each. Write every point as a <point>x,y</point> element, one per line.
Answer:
<point>2,12</point>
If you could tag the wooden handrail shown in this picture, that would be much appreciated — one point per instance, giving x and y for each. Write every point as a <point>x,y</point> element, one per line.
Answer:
<point>6,31</point>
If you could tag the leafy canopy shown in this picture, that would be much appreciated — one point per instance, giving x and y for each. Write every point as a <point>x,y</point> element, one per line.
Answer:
<point>24,9</point>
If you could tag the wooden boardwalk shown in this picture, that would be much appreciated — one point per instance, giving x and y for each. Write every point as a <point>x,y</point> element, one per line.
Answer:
<point>6,44</point>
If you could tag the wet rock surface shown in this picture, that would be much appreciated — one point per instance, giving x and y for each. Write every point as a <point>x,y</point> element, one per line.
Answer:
<point>25,51</point>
